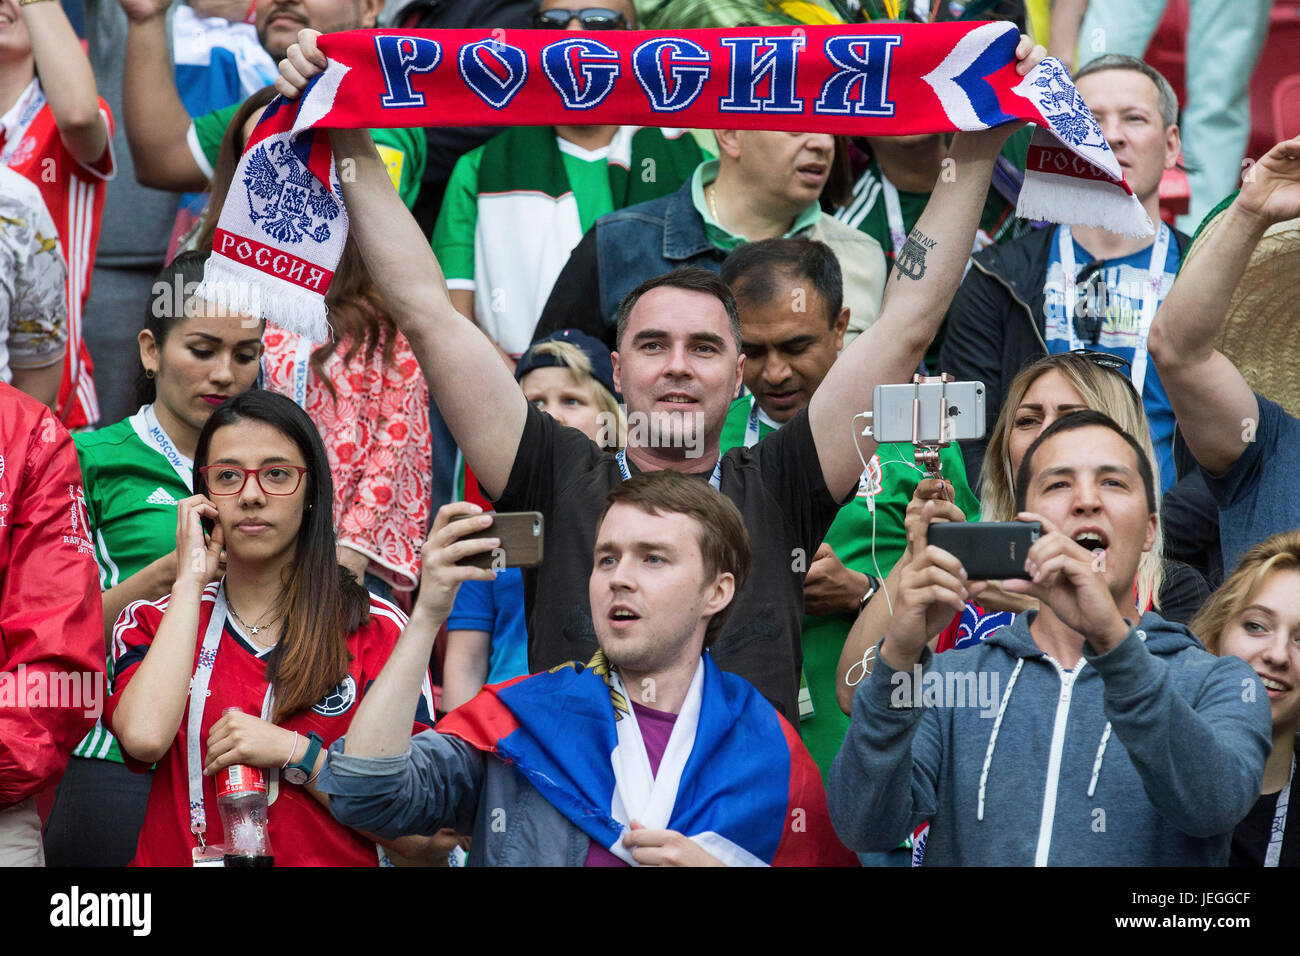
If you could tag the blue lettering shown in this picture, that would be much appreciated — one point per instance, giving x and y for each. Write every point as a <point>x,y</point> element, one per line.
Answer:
<point>863,63</point>
<point>492,89</point>
<point>399,57</point>
<point>778,64</point>
<point>597,63</point>
<point>676,85</point>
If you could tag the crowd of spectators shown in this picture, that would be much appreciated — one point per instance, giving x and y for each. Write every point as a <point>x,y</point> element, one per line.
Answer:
<point>737,605</point>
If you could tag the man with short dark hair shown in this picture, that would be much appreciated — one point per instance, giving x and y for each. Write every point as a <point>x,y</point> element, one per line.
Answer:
<point>1132,744</point>
<point>659,759</point>
<point>792,318</point>
<point>1064,288</point>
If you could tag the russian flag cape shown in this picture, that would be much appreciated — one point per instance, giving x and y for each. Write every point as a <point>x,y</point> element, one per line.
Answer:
<point>281,231</point>
<point>745,787</point>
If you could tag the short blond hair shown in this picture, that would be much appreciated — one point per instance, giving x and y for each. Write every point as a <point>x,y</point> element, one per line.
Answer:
<point>577,363</point>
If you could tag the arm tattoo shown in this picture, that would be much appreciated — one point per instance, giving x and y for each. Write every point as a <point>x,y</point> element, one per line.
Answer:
<point>910,263</point>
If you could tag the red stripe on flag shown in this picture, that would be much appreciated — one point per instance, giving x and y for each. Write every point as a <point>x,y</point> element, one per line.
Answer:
<point>271,261</point>
<point>483,720</point>
<point>807,838</point>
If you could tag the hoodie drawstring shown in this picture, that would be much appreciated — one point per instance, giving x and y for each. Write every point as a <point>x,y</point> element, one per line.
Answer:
<point>1096,764</point>
<point>993,737</point>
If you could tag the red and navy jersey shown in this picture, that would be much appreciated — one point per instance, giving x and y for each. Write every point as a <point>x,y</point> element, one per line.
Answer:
<point>302,831</point>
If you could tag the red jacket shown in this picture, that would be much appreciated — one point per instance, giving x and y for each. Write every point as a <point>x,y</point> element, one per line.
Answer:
<point>51,615</point>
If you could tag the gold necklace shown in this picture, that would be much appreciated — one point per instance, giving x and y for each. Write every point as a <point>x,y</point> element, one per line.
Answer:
<point>712,195</point>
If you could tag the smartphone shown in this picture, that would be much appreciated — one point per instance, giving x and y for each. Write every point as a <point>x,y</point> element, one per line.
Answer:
<point>521,540</point>
<point>988,550</point>
<point>961,419</point>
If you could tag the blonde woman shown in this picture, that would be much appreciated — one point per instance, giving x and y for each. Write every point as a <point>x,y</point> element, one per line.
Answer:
<point>1255,615</point>
<point>1044,391</point>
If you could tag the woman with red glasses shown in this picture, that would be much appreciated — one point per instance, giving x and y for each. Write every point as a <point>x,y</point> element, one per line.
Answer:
<point>288,636</point>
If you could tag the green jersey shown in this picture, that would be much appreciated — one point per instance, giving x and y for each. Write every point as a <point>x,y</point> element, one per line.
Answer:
<point>402,150</point>
<point>868,537</point>
<point>133,476</point>
<point>453,237</point>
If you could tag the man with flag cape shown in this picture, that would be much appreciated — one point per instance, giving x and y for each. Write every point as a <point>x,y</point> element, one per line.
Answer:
<point>648,755</point>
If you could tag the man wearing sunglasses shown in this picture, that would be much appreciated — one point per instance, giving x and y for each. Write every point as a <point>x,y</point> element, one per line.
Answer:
<point>1063,288</point>
<point>558,180</point>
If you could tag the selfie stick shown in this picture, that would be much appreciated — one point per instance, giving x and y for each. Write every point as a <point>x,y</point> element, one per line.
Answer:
<point>927,452</point>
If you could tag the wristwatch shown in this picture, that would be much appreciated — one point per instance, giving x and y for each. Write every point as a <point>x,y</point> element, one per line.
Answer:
<point>301,771</point>
<point>873,585</point>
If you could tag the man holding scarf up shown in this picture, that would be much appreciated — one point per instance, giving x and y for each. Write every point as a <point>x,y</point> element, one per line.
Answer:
<point>679,367</point>
<point>649,755</point>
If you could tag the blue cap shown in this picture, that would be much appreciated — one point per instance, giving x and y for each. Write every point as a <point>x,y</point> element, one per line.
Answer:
<point>602,367</point>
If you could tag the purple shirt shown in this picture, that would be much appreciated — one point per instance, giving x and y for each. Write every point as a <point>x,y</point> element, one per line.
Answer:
<point>656,727</point>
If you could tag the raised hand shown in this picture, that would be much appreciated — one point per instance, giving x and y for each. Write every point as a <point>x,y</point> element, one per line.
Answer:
<point>138,11</point>
<point>301,62</point>
<point>915,524</point>
<point>1270,189</point>
<point>1065,577</point>
<point>440,575</point>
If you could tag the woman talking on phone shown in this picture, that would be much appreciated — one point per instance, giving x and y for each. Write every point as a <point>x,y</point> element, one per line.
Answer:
<point>193,357</point>
<point>288,636</point>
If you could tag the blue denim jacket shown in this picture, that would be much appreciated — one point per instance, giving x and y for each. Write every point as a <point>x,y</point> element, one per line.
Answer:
<point>649,239</point>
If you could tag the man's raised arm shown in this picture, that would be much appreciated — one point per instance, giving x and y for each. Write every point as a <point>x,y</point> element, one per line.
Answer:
<point>915,298</point>
<point>155,117</point>
<point>478,397</point>
<point>1210,398</point>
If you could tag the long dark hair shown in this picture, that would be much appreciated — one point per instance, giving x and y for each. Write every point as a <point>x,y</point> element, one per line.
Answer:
<point>165,310</point>
<point>356,311</point>
<point>324,603</point>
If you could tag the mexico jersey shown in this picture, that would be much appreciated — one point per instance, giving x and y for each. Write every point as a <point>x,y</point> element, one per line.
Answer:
<point>74,194</point>
<point>134,476</point>
<point>302,832</point>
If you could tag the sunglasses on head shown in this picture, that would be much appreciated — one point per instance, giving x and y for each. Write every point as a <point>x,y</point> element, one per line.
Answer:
<point>1105,360</point>
<point>591,18</point>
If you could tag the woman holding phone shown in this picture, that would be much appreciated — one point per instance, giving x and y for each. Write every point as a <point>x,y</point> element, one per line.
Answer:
<point>288,636</point>
<point>193,357</point>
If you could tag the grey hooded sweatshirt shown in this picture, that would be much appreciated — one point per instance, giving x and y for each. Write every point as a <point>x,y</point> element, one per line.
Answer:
<point>1147,755</point>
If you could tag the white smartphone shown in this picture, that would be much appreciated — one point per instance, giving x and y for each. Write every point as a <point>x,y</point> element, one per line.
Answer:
<point>895,408</point>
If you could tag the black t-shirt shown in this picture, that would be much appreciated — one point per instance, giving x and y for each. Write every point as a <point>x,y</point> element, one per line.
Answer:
<point>1183,592</point>
<point>779,489</point>
<point>1250,839</point>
